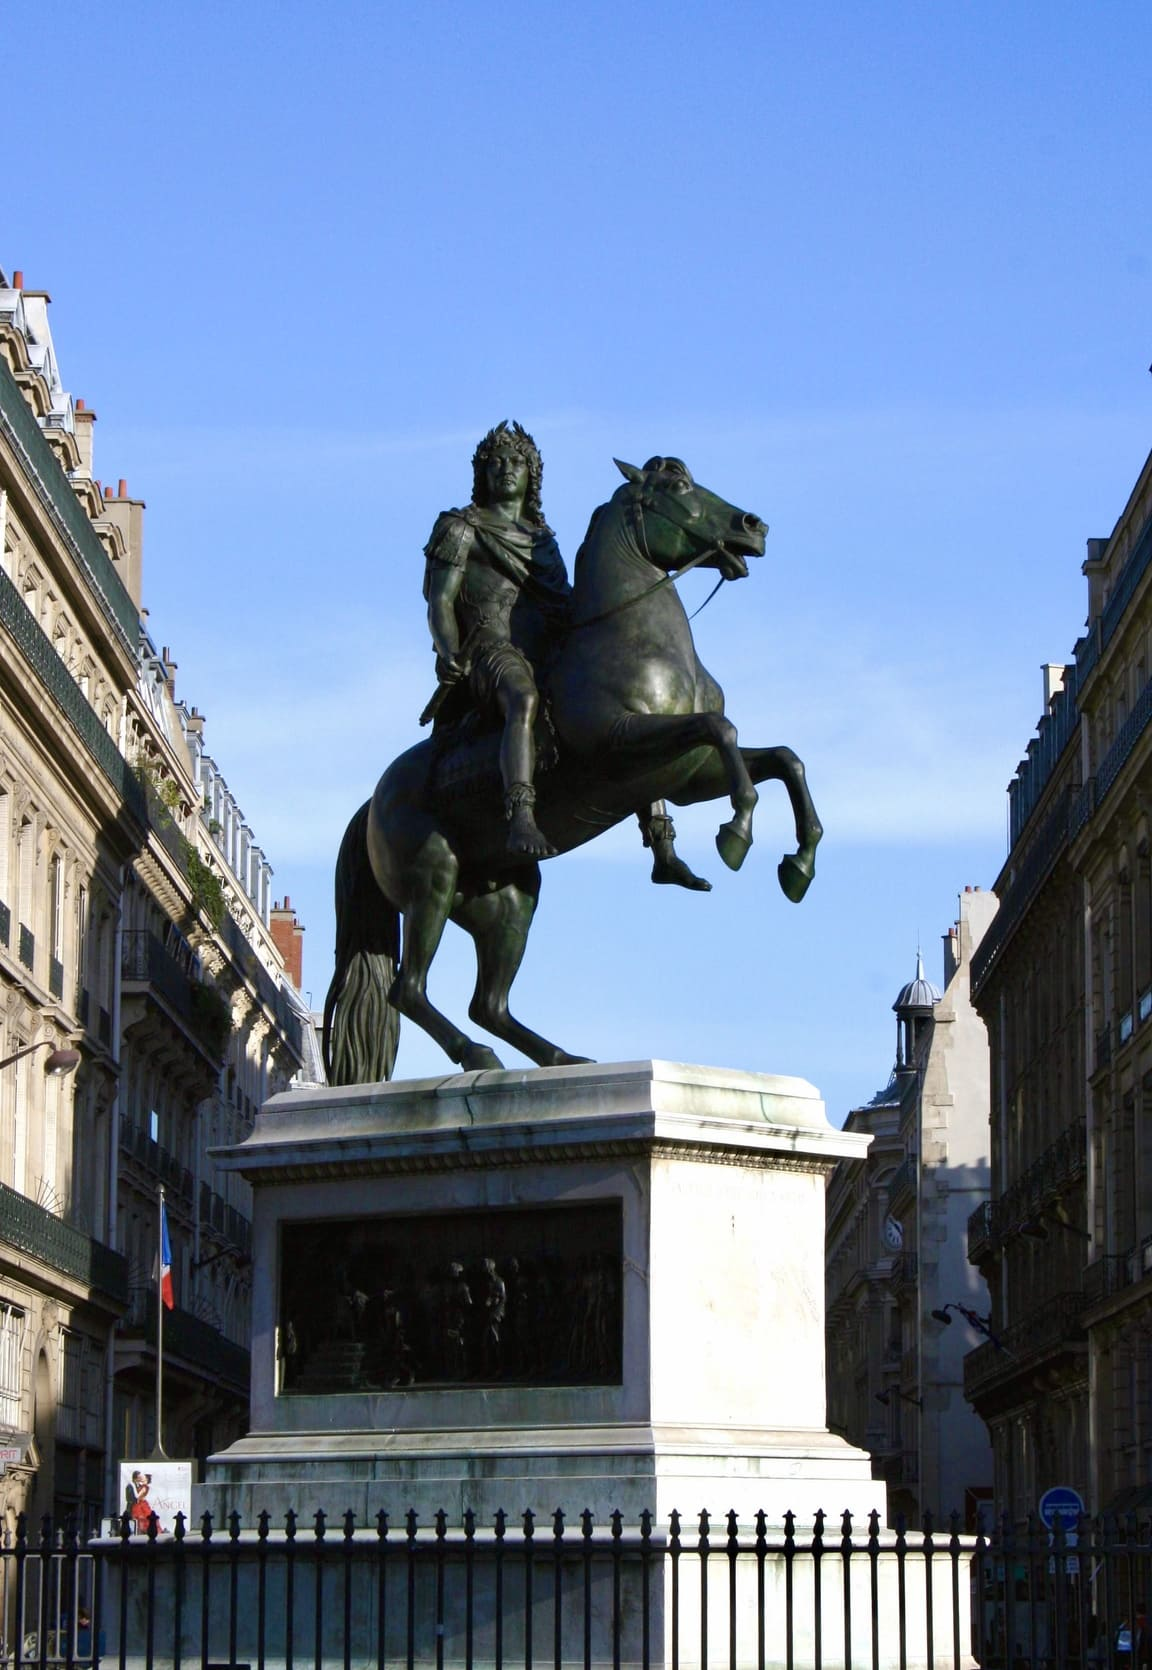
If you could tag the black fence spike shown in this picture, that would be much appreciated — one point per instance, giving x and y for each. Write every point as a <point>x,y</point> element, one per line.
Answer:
<point>558,1523</point>
<point>153,1527</point>
<point>262,1525</point>
<point>500,1521</point>
<point>586,1523</point>
<point>206,1526</point>
<point>529,1522</point>
<point>410,1524</point>
<point>441,1525</point>
<point>320,1524</point>
<point>646,1525</point>
<point>469,1524</point>
<point>180,1527</point>
<point>381,1524</point>
<point>733,1527</point>
<point>349,1524</point>
<point>290,1524</point>
<point>617,1524</point>
<point>234,1526</point>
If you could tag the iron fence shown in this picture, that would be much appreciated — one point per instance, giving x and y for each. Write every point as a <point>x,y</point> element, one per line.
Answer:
<point>685,1596</point>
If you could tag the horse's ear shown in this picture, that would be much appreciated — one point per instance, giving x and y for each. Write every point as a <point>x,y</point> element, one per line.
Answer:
<point>629,471</point>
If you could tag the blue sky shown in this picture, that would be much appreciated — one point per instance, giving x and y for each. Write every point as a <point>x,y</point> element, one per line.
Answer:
<point>880,272</point>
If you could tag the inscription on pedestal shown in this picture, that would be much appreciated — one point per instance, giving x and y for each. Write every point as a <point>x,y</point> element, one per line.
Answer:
<point>521,1296</point>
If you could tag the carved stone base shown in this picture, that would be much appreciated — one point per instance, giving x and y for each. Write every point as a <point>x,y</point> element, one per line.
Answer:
<point>596,1286</point>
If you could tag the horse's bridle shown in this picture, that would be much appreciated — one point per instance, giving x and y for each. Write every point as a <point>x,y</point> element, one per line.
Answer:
<point>636,509</point>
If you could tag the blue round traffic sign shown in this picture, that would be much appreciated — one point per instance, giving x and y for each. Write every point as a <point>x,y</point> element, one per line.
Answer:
<point>1063,1503</point>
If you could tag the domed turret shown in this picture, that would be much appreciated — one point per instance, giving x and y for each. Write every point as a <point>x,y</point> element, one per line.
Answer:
<point>914,1008</point>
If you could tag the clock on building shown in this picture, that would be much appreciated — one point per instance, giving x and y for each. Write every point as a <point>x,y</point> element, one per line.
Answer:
<point>893,1233</point>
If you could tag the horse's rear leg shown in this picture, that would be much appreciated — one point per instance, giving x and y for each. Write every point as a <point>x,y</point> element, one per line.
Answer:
<point>646,737</point>
<point>795,869</point>
<point>499,924</point>
<point>430,894</point>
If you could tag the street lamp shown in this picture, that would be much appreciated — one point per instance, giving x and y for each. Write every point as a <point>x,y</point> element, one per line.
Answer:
<point>58,1063</point>
<point>982,1324</point>
<point>894,1391</point>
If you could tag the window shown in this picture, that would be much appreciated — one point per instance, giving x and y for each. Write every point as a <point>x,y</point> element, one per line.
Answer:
<point>12,1323</point>
<point>69,1413</point>
<point>56,907</point>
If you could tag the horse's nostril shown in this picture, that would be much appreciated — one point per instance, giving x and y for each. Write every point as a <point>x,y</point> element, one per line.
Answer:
<point>751,524</point>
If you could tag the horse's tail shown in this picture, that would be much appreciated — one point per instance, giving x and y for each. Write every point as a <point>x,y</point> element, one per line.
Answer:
<point>361,1028</point>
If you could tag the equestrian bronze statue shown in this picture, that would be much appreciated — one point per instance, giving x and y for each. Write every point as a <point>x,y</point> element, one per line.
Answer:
<point>558,715</point>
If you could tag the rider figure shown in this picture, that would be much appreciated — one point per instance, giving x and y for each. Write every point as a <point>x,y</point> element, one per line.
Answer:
<point>482,562</point>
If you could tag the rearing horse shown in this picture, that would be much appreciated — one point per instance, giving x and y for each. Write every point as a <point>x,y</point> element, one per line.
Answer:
<point>637,718</point>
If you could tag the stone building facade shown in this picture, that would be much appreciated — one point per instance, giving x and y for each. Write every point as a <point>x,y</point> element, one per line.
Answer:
<point>897,1253</point>
<point>134,924</point>
<point>1065,984</point>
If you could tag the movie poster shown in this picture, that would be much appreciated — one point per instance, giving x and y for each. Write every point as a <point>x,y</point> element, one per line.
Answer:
<point>163,1488</point>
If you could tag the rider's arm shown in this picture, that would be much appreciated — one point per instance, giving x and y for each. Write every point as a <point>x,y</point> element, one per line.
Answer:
<point>443,587</point>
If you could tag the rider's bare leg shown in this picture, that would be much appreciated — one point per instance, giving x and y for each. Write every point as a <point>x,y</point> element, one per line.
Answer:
<point>668,869</point>
<point>434,874</point>
<point>499,924</point>
<point>643,735</point>
<point>518,702</point>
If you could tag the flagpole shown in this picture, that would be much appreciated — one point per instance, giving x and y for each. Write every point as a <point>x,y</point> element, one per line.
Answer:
<point>159,1452</point>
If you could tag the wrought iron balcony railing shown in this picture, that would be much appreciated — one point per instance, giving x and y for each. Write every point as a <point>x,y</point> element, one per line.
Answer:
<point>37,650</point>
<point>189,1337</point>
<point>32,1229</point>
<point>5,923</point>
<point>64,509</point>
<point>27,951</point>
<point>224,1220</point>
<point>1054,1326</point>
<point>1046,1181</point>
<point>162,1164</point>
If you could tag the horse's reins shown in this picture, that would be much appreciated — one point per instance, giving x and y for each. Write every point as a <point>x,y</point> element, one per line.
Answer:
<point>636,510</point>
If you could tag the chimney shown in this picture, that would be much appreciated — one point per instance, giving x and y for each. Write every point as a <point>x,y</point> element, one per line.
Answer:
<point>128,515</point>
<point>18,279</point>
<point>288,937</point>
<point>1053,673</point>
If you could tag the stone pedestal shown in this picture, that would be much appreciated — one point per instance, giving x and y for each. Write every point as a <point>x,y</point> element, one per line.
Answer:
<point>661,1224</point>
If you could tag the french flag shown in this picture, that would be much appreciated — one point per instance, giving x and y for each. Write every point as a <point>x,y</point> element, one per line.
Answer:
<point>166,1290</point>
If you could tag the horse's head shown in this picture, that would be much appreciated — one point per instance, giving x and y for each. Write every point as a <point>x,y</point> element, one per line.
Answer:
<point>678,522</point>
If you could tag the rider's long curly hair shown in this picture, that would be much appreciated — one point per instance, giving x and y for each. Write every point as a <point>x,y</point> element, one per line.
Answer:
<point>511,437</point>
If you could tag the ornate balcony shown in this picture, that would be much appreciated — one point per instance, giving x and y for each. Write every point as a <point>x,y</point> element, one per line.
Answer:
<point>5,923</point>
<point>1041,1186</point>
<point>32,1229</point>
<point>223,1220</point>
<point>27,950</point>
<point>161,1164</point>
<point>1055,1327</point>
<point>209,1352</point>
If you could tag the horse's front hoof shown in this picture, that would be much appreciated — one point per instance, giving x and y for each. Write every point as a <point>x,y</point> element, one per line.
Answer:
<point>563,1059</point>
<point>732,844</point>
<point>795,877</point>
<point>478,1058</point>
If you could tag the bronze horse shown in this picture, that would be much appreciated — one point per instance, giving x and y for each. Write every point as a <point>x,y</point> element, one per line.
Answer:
<point>636,718</point>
